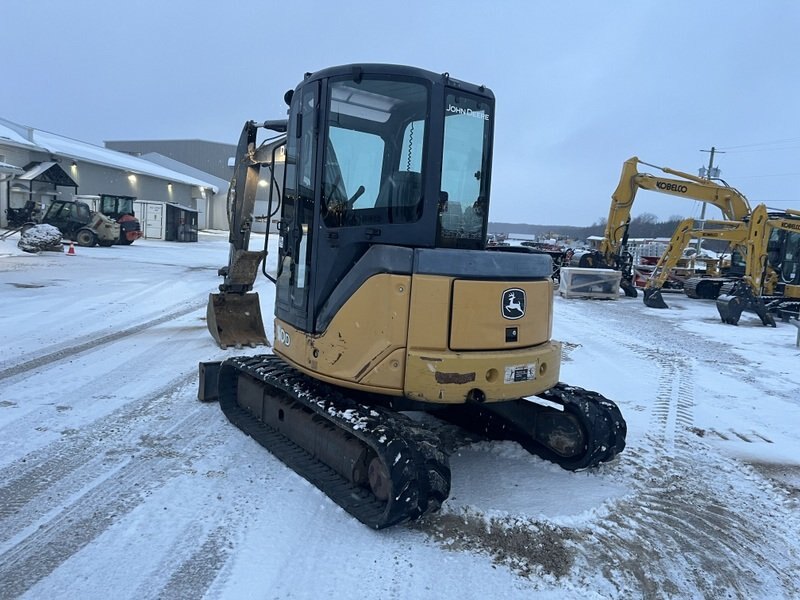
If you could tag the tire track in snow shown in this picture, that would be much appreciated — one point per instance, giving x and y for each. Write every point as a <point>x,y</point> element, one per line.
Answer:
<point>705,535</point>
<point>92,343</point>
<point>673,407</point>
<point>102,503</point>
<point>61,399</point>
<point>193,575</point>
<point>31,487</point>
<point>196,573</point>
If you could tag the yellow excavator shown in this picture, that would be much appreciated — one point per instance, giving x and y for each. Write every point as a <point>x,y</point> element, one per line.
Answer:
<point>387,300</point>
<point>771,283</point>
<point>733,232</point>
<point>613,252</point>
<point>770,278</point>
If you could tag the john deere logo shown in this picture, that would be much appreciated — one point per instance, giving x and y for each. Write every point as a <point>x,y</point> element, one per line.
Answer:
<point>513,304</point>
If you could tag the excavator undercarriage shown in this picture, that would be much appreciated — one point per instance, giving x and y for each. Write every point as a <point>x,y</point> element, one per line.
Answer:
<point>377,463</point>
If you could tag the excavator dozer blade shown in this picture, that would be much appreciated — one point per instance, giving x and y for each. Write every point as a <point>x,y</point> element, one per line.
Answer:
<point>654,299</point>
<point>235,320</point>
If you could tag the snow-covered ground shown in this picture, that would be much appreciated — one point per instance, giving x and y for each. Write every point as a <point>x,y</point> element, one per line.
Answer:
<point>115,482</point>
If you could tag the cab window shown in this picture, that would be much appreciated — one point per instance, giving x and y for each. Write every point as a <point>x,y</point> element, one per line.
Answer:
<point>374,148</point>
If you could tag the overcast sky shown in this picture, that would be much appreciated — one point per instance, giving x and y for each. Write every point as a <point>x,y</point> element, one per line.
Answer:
<point>580,86</point>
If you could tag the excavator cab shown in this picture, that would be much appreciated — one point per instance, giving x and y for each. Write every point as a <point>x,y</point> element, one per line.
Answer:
<point>365,156</point>
<point>390,156</point>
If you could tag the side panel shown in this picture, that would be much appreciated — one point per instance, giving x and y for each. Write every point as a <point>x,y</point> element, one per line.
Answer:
<point>429,321</point>
<point>493,315</point>
<point>363,347</point>
<point>392,337</point>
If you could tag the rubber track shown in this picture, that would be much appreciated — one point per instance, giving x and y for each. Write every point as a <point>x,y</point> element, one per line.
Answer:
<point>601,420</point>
<point>418,467</point>
<point>603,427</point>
<point>710,284</point>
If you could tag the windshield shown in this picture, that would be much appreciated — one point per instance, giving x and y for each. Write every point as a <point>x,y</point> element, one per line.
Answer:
<point>112,205</point>
<point>790,259</point>
<point>465,172</point>
<point>373,152</point>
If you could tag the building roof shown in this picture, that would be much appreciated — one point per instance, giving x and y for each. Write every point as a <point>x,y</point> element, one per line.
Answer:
<point>175,165</point>
<point>49,172</point>
<point>6,169</point>
<point>16,135</point>
<point>37,139</point>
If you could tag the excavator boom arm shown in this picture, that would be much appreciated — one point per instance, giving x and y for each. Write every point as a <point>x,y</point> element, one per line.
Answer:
<point>733,204</point>
<point>735,232</point>
<point>233,316</point>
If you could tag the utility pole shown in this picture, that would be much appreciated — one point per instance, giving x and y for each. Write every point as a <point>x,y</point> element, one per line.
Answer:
<point>708,174</point>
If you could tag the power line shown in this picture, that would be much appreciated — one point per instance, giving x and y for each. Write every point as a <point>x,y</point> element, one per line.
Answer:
<point>763,150</point>
<point>783,141</point>
<point>773,175</point>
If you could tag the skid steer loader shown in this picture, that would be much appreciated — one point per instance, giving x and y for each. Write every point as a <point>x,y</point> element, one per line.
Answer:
<point>387,301</point>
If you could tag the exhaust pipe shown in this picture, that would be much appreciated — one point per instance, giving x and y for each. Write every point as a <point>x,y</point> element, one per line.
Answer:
<point>235,320</point>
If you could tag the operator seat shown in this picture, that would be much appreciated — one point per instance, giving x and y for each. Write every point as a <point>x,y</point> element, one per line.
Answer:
<point>401,194</point>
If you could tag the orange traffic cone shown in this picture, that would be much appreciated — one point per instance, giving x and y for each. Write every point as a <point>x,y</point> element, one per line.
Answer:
<point>71,251</point>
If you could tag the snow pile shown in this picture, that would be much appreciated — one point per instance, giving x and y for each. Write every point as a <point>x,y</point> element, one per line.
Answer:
<point>41,238</point>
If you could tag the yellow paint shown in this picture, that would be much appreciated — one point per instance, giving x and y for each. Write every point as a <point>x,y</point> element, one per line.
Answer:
<point>431,338</point>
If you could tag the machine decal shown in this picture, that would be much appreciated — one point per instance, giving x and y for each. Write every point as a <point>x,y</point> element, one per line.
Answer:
<point>283,337</point>
<point>478,114</point>
<point>672,187</point>
<point>513,304</point>
<point>518,373</point>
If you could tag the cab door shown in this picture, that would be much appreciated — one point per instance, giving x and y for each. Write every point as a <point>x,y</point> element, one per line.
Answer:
<point>297,215</point>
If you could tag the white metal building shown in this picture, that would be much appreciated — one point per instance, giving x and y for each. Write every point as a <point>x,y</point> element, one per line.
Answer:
<point>38,165</point>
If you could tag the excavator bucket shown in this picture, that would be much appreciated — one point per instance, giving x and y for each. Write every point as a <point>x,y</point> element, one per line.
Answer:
<point>628,288</point>
<point>654,299</point>
<point>731,307</point>
<point>235,320</point>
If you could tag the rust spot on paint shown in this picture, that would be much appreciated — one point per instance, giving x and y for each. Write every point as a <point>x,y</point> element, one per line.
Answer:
<point>456,378</point>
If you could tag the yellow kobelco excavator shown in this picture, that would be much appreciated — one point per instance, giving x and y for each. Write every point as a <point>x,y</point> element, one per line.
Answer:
<point>733,232</point>
<point>770,278</point>
<point>613,252</point>
<point>387,301</point>
<point>771,283</point>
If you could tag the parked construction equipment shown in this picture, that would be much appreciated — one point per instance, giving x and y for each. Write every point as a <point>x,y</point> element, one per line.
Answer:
<point>76,221</point>
<point>386,299</point>
<point>771,283</point>
<point>733,232</point>
<point>120,209</point>
<point>613,250</point>
<point>770,277</point>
